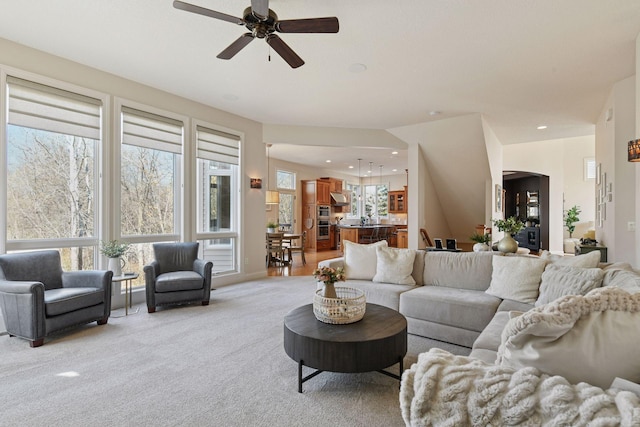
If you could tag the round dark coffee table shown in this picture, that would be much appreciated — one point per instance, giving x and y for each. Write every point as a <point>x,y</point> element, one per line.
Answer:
<point>376,342</point>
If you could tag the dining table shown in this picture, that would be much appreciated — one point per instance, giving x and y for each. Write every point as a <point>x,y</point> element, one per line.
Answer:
<point>285,240</point>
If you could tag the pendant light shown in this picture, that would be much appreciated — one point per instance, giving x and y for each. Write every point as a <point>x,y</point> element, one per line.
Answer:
<point>273,197</point>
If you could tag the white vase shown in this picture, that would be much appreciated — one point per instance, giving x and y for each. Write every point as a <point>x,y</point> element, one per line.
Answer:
<point>115,265</point>
<point>481,247</point>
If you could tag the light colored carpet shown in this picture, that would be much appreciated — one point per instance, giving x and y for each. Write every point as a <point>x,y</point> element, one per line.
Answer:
<point>219,365</point>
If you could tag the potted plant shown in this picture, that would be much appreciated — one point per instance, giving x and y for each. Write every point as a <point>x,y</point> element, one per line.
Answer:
<point>115,250</point>
<point>570,218</point>
<point>482,242</point>
<point>272,226</point>
<point>510,227</point>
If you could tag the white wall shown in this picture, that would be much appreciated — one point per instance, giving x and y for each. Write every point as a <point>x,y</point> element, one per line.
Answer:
<point>561,160</point>
<point>454,169</point>
<point>612,137</point>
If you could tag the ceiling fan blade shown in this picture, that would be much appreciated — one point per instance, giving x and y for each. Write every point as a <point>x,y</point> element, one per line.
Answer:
<point>311,25</point>
<point>236,46</point>
<point>206,12</point>
<point>284,51</point>
<point>260,9</point>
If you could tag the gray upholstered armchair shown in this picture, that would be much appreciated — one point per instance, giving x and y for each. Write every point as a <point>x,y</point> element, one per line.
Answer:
<point>177,275</point>
<point>37,298</point>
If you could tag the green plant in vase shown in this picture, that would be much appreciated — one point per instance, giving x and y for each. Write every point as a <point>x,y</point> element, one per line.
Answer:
<point>272,226</point>
<point>570,218</point>
<point>510,227</point>
<point>115,250</point>
<point>482,242</point>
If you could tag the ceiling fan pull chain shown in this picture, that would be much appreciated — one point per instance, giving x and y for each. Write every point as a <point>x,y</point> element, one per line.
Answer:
<point>269,55</point>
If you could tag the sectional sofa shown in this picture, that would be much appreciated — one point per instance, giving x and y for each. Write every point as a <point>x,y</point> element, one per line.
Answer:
<point>514,313</point>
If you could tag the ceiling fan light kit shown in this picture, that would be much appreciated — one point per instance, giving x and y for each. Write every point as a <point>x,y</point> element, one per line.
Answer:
<point>262,23</point>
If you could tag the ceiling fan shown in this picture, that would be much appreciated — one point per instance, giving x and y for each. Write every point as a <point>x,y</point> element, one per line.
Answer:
<point>263,23</point>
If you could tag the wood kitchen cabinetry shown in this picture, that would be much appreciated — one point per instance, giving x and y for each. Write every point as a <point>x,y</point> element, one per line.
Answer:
<point>403,238</point>
<point>323,192</point>
<point>398,201</point>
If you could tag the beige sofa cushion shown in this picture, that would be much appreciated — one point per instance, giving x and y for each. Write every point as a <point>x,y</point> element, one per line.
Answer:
<point>394,265</point>
<point>588,260</point>
<point>360,261</point>
<point>623,279</point>
<point>517,278</point>
<point>591,338</point>
<point>559,280</point>
<point>461,270</point>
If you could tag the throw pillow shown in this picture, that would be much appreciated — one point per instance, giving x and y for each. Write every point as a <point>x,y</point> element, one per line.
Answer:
<point>394,266</point>
<point>623,279</point>
<point>360,260</point>
<point>585,338</point>
<point>558,281</point>
<point>516,278</point>
<point>589,260</point>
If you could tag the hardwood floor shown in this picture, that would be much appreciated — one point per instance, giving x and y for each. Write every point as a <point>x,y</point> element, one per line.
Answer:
<point>297,269</point>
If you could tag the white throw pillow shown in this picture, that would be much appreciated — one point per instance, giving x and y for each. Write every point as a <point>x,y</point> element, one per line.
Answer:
<point>585,338</point>
<point>516,278</point>
<point>589,260</point>
<point>394,266</point>
<point>559,280</point>
<point>360,260</point>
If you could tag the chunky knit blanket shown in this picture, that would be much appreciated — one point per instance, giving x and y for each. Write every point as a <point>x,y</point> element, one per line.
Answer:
<point>442,389</point>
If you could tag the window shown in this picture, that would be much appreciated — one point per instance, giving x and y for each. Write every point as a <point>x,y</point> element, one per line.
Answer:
<point>150,163</point>
<point>373,202</point>
<point>53,138</point>
<point>355,200</point>
<point>589,168</point>
<point>376,200</point>
<point>285,180</point>
<point>218,158</point>
<point>286,184</point>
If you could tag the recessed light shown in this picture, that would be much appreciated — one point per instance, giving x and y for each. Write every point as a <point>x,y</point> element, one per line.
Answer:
<point>357,68</point>
<point>541,127</point>
<point>394,170</point>
<point>328,161</point>
<point>394,152</point>
<point>435,113</point>
<point>350,167</point>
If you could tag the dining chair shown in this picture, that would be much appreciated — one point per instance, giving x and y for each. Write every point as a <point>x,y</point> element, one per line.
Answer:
<point>275,248</point>
<point>298,248</point>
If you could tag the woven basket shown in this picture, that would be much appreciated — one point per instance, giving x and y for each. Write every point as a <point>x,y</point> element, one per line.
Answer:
<point>349,307</point>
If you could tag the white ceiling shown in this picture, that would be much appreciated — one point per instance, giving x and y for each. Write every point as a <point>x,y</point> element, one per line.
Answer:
<point>521,63</point>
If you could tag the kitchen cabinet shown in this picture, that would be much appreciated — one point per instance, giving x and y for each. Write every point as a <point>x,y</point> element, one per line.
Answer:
<point>332,237</point>
<point>398,201</point>
<point>403,239</point>
<point>323,192</point>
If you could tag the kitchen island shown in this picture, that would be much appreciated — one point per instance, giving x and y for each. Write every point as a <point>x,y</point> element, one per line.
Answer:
<point>368,233</point>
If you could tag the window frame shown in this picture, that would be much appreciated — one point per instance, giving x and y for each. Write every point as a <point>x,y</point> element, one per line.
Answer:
<point>100,163</point>
<point>115,178</point>
<point>191,222</point>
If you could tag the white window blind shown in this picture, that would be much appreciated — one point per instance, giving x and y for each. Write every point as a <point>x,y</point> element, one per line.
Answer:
<point>218,146</point>
<point>149,130</point>
<point>38,106</point>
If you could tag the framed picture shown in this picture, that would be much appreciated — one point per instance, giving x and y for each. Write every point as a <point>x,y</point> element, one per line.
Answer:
<point>498,198</point>
<point>438,243</point>
<point>598,171</point>
<point>451,244</point>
